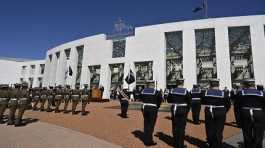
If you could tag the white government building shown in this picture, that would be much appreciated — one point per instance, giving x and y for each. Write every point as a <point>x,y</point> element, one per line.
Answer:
<point>229,48</point>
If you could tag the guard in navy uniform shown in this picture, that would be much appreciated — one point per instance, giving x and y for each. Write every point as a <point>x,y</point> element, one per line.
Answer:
<point>151,99</point>
<point>251,102</point>
<point>196,96</point>
<point>217,104</point>
<point>123,95</point>
<point>4,98</point>
<point>85,98</point>
<point>180,99</point>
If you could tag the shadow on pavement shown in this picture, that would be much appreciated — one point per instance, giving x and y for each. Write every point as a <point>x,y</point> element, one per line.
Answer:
<point>139,134</point>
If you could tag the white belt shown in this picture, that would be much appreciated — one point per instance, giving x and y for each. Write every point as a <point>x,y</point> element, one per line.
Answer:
<point>213,106</point>
<point>148,104</point>
<point>13,99</point>
<point>196,99</point>
<point>126,99</point>
<point>251,109</point>
<point>178,105</point>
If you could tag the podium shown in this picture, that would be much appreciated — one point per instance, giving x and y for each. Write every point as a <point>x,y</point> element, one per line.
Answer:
<point>96,96</point>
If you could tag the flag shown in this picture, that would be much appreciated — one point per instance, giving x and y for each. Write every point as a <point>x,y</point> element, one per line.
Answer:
<point>70,71</point>
<point>130,77</point>
<point>202,7</point>
<point>197,9</point>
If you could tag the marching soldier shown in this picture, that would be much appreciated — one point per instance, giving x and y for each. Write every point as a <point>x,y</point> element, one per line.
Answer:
<point>43,97</point>
<point>124,101</point>
<point>196,96</point>
<point>251,102</point>
<point>85,98</point>
<point>4,98</point>
<point>75,99</point>
<point>67,96</point>
<point>50,97</point>
<point>217,104</point>
<point>36,98</point>
<point>151,99</point>
<point>179,97</point>
<point>13,103</point>
<point>58,98</point>
<point>23,95</point>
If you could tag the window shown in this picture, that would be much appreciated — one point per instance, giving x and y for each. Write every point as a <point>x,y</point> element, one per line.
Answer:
<point>117,74</point>
<point>205,56</point>
<point>144,71</point>
<point>118,49</point>
<point>94,76</point>
<point>42,68</point>
<point>23,70</point>
<point>240,53</point>
<point>174,57</point>
<point>67,53</point>
<point>50,58</point>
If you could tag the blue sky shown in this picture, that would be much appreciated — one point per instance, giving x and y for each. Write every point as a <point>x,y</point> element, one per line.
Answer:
<point>28,28</point>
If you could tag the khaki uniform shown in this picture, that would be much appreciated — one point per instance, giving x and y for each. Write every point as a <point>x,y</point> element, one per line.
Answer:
<point>13,103</point>
<point>43,98</point>
<point>76,94</point>
<point>23,96</point>
<point>58,99</point>
<point>85,99</point>
<point>4,98</point>
<point>50,97</point>
<point>67,97</point>
<point>36,98</point>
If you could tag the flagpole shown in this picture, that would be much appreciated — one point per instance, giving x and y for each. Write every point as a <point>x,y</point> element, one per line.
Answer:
<point>205,8</point>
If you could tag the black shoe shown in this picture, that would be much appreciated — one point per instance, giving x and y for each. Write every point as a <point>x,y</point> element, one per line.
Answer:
<point>10,123</point>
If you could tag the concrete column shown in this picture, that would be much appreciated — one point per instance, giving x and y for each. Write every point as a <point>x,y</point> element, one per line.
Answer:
<point>73,63</point>
<point>105,79</point>
<point>258,51</point>
<point>223,56</point>
<point>189,58</point>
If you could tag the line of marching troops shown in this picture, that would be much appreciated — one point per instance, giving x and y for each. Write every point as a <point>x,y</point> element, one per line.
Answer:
<point>248,101</point>
<point>20,98</point>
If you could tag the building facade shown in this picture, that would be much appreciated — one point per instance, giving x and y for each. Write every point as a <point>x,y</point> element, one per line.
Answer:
<point>230,48</point>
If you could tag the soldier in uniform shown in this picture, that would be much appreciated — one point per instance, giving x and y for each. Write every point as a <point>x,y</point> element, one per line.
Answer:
<point>251,102</point>
<point>85,98</point>
<point>151,99</point>
<point>76,94</point>
<point>23,96</point>
<point>13,103</point>
<point>124,98</point>
<point>50,97</point>
<point>67,96</point>
<point>217,104</point>
<point>58,98</point>
<point>196,96</point>
<point>36,98</point>
<point>4,98</point>
<point>43,97</point>
<point>180,99</point>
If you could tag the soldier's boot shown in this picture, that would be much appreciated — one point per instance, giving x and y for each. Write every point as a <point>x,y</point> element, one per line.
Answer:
<point>74,104</point>
<point>21,110</point>
<point>42,105</point>
<point>2,110</point>
<point>35,105</point>
<point>49,105</point>
<point>57,104</point>
<point>11,117</point>
<point>84,103</point>
<point>65,106</point>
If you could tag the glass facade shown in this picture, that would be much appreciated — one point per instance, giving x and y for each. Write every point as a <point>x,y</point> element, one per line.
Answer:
<point>117,74</point>
<point>174,57</point>
<point>94,76</point>
<point>144,71</point>
<point>205,56</point>
<point>118,49</point>
<point>240,54</point>
<point>80,51</point>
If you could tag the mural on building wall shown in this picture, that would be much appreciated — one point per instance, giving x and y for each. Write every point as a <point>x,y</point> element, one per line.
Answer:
<point>117,74</point>
<point>118,48</point>
<point>94,75</point>
<point>174,57</point>
<point>205,56</point>
<point>80,51</point>
<point>240,54</point>
<point>144,71</point>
